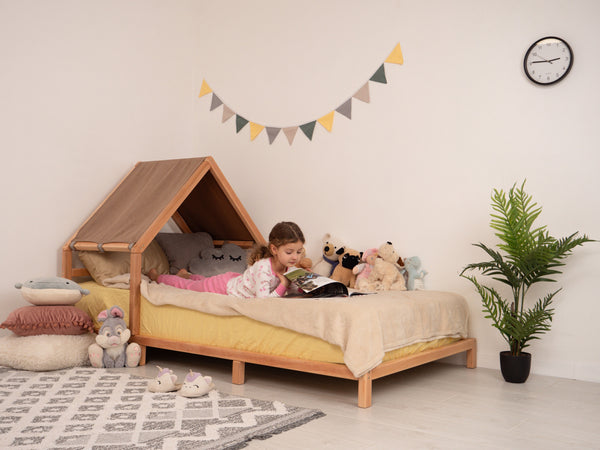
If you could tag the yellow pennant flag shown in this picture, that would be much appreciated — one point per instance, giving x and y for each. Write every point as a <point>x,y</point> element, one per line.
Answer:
<point>396,56</point>
<point>204,89</point>
<point>255,130</point>
<point>327,121</point>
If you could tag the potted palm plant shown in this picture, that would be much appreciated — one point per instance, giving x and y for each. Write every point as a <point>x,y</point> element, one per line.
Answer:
<point>527,255</point>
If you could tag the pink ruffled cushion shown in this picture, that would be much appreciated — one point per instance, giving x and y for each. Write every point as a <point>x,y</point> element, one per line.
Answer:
<point>36,320</point>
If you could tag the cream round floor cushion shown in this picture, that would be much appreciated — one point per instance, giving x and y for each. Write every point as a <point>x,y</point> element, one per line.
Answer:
<point>45,351</point>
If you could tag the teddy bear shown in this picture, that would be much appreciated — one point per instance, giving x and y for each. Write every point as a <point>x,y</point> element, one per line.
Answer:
<point>363,270</point>
<point>329,259</point>
<point>347,260</point>
<point>386,271</point>
<point>111,348</point>
<point>304,262</point>
<point>415,273</point>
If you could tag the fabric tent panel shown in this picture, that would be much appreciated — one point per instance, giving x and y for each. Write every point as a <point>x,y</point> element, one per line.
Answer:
<point>137,201</point>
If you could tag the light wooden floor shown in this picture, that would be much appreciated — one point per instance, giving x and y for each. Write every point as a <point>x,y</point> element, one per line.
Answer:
<point>435,406</point>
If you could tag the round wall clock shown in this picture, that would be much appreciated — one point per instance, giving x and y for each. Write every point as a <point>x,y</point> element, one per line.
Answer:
<point>548,60</point>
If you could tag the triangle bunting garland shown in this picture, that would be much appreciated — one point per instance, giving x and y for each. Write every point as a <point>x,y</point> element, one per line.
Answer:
<point>308,128</point>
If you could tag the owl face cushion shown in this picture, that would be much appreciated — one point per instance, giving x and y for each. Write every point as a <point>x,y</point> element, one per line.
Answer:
<point>213,261</point>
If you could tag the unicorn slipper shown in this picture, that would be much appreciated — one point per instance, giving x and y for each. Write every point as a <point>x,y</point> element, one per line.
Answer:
<point>165,381</point>
<point>196,385</point>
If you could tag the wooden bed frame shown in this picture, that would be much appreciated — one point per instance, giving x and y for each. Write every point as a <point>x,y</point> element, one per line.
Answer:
<point>204,201</point>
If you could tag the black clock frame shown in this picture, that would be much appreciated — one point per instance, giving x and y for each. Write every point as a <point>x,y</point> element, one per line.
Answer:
<point>533,46</point>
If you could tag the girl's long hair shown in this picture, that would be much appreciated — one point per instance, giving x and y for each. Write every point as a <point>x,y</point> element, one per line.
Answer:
<point>282,233</point>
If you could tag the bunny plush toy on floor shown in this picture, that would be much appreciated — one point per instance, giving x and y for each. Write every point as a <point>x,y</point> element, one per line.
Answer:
<point>111,348</point>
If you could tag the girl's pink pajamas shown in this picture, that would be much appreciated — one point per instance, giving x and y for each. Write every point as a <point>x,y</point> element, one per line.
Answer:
<point>216,284</point>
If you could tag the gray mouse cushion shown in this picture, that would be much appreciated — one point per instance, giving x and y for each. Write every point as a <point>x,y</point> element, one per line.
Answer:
<point>213,261</point>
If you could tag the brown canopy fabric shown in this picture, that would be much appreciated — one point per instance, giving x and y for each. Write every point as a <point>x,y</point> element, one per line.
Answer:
<point>193,191</point>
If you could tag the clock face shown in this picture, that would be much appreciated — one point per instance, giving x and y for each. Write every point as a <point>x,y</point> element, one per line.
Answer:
<point>548,60</point>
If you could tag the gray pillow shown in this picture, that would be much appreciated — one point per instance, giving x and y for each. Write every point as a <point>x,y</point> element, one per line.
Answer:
<point>181,248</point>
<point>213,261</point>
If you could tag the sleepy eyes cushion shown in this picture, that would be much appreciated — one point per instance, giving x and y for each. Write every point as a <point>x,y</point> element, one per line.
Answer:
<point>213,261</point>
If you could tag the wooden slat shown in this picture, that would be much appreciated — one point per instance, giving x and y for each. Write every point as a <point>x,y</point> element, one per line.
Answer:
<point>135,295</point>
<point>108,247</point>
<point>181,223</point>
<point>302,365</point>
<point>79,272</point>
<point>67,263</point>
<point>243,244</point>
<point>407,362</point>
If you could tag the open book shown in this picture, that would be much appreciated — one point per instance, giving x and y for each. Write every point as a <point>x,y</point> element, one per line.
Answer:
<point>312,284</point>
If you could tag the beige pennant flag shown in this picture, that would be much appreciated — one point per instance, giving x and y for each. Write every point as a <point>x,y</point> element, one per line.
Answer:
<point>255,130</point>
<point>327,121</point>
<point>227,114</point>
<point>396,56</point>
<point>290,133</point>
<point>363,93</point>
<point>204,89</point>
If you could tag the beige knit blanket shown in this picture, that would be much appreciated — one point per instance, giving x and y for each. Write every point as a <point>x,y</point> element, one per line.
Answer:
<point>364,327</point>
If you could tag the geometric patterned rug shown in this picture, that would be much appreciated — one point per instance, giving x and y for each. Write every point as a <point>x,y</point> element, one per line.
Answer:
<point>87,408</point>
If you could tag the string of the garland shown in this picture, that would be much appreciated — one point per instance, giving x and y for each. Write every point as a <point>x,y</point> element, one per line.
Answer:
<point>345,109</point>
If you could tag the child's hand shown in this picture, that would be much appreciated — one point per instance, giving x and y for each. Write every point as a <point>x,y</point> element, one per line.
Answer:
<point>283,280</point>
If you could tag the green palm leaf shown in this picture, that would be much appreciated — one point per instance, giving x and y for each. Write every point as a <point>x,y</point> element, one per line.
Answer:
<point>530,255</point>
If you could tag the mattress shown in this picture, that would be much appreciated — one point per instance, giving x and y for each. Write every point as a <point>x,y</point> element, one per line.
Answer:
<point>234,331</point>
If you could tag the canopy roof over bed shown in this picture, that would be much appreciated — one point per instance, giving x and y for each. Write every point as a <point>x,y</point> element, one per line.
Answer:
<point>194,192</point>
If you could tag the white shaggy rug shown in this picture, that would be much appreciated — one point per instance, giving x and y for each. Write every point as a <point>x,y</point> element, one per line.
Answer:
<point>87,408</point>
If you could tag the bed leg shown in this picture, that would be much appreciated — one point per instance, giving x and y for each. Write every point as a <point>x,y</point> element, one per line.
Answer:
<point>238,372</point>
<point>472,356</point>
<point>365,388</point>
<point>142,355</point>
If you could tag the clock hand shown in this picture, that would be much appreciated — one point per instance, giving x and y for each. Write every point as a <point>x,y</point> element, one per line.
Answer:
<point>545,60</point>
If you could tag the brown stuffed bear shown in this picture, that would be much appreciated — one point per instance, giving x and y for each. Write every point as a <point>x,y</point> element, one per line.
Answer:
<point>348,259</point>
<point>305,263</point>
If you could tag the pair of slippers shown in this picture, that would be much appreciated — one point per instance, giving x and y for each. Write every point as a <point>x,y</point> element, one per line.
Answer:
<point>194,385</point>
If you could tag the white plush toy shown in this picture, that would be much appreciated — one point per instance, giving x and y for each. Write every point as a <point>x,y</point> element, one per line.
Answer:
<point>331,249</point>
<point>415,272</point>
<point>51,291</point>
<point>385,274</point>
<point>111,348</point>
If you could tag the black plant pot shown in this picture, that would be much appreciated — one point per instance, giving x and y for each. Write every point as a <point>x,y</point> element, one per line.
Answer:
<point>515,369</point>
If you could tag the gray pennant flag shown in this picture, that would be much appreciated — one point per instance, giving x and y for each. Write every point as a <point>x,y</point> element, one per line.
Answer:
<point>216,102</point>
<point>272,132</point>
<point>345,109</point>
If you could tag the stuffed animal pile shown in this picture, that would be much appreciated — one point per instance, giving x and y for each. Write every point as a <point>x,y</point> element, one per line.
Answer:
<point>375,269</point>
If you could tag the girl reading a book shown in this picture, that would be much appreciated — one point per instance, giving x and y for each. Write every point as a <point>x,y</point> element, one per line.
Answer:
<point>264,276</point>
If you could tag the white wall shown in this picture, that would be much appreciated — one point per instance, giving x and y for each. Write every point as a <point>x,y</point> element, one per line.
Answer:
<point>89,88</point>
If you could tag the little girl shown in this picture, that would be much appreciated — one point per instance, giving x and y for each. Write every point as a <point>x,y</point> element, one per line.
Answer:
<point>264,276</point>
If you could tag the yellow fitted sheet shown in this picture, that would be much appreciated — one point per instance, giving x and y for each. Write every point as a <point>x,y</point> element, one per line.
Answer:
<point>235,332</point>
